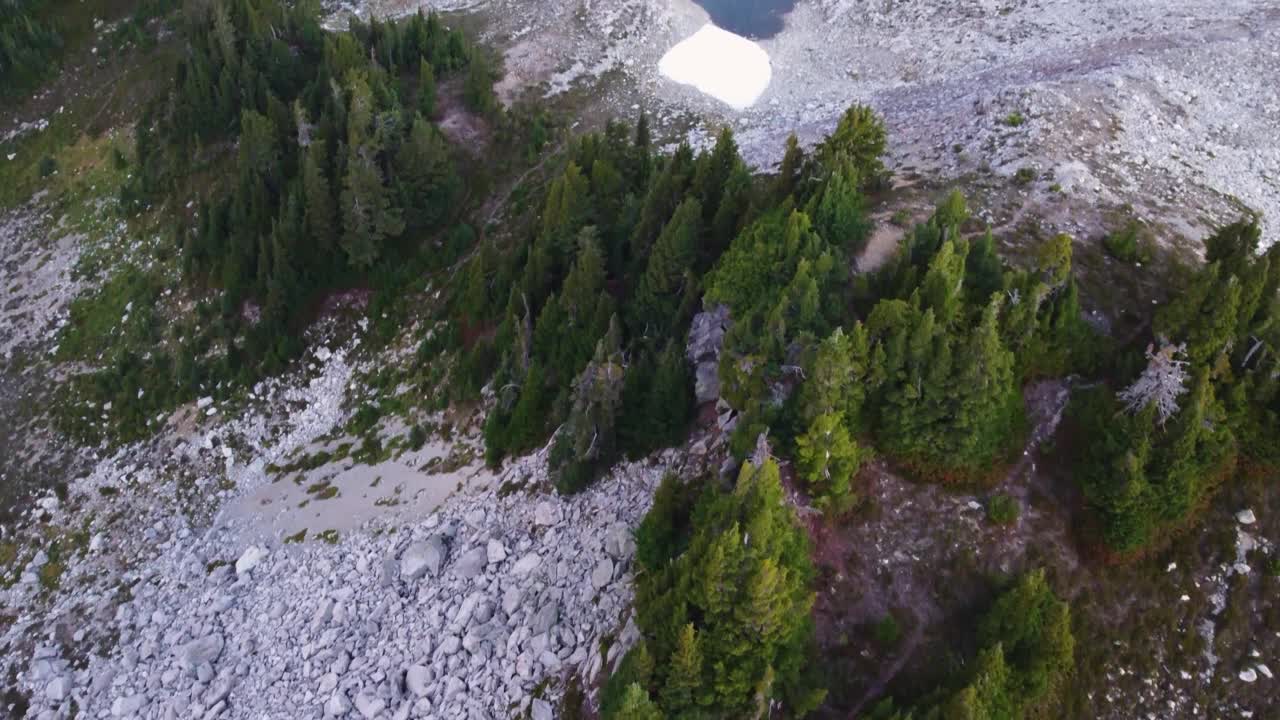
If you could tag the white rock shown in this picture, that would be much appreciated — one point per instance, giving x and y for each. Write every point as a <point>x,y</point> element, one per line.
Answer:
<point>545,514</point>
<point>58,689</point>
<point>369,705</point>
<point>471,563</point>
<point>603,574</point>
<point>526,564</point>
<point>541,710</point>
<point>202,650</point>
<point>337,705</point>
<point>128,706</point>
<point>497,552</point>
<point>1246,517</point>
<point>418,680</point>
<point>1248,675</point>
<point>250,558</point>
<point>421,558</point>
<point>1266,671</point>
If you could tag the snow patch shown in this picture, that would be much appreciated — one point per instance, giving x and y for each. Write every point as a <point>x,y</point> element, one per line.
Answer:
<point>728,67</point>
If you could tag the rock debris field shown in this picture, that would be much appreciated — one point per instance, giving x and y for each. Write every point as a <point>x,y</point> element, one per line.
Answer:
<point>1170,107</point>
<point>464,612</point>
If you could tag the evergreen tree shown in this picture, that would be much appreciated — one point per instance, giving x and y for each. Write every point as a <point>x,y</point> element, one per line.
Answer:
<point>478,90</point>
<point>368,217</point>
<point>636,705</point>
<point>426,89</point>
<point>321,216</point>
<point>828,458</point>
<point>666,275</point>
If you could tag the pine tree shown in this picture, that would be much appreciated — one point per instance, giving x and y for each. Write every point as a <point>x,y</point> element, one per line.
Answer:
<point>828,458</point>
<point>682,694</point>
<point>368,217</point>
<point>788,180</point>
<point>838,213</point>
<point>636,705</point>
<point>586,445</point>
<point>426,89</point>
<point>660,288</point>
<point>427,181</point>
<point>857,143</point>
<point>321,216</point>
<point>478,90</point>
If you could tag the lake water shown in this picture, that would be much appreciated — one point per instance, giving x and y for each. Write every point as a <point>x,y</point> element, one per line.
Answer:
<point>753,19</point>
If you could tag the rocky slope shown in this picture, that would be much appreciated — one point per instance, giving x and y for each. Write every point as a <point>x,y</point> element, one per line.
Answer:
<point>1166,107</point>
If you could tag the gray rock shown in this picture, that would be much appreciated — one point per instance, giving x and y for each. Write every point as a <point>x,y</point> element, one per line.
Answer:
<point>128,706</point>
<point>511,600</point>
<point>526,564</point>
<point>541,710</point>
<point>471,563</point>
<point>545,514</point>
<point>58,689</point>
<point>546,618</point>
<point>706,382</point>
<point>618,541</point>
<point>202,650</point>
<point>337,705</point>
<point>368,705</point>
<point>603,574</point>
<point>250,558</point>
<point>421,558</point>
<point>418,680</point>
<point>496,551</point>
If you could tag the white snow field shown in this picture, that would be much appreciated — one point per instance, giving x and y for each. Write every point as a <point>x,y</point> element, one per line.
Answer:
<point>728,67</point>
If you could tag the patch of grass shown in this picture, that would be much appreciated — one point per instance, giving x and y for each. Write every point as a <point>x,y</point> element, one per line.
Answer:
<point>900,218</point>
<point>297,537</point>
<point>214,565</point>
<point>328,536</point>
<point>51,575</point>
<point>1002,510</point>
<point>1024,176</point>
<point>1015,119</point>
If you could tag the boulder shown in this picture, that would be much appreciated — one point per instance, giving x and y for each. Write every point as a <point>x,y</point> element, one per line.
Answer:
<point>545,618</point>
<point>58,689</point>
<point>471,563</point>
<point>1246,517</point>
<point>250,558</point>
<point>618,541</point>
<point>201,651</point>
<point>496,551</point>
<point>706,382</point>
<point>544,514</point>
<point>337,705</point>
<point>128,706</point>
<point>526,564</point>
<point>541,710</point>
<point>421,558</point>
<point>603,574</point>
<point>369,705</point>
<point>418,680</point>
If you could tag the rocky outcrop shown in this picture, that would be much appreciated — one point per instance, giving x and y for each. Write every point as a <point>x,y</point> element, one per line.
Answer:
<point>706,337</point>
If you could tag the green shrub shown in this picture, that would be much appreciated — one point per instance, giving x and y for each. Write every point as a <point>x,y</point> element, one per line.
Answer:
<point>1127,245</point>
<point>1002,510</point>
<point>887,632</point>
<point>1014,119</point>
